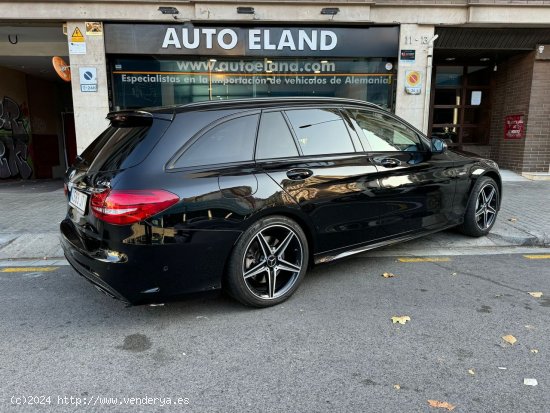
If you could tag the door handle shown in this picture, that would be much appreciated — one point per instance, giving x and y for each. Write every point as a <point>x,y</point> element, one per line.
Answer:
<point>297,174</point>
<point>390,162</point>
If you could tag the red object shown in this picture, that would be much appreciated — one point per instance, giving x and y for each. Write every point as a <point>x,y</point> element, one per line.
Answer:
<point>514,127</point>
<point>122,207</point>
<point>61,68</point>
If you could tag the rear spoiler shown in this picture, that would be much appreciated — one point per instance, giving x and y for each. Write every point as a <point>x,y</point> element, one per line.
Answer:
<point>136,117</point>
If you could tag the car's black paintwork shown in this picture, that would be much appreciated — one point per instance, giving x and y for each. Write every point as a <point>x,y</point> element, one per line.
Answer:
<point>349,204</point>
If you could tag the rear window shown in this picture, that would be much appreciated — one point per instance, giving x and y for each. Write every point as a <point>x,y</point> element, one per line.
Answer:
<point>120,146</point>
<point>320,131</point>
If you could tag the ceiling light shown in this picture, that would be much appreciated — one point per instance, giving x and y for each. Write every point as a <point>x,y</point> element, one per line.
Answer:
<point>450,59</point>
<point>330,10</point>
<point>168,10</point>
<point>245,10</point>
<point>484,59</point>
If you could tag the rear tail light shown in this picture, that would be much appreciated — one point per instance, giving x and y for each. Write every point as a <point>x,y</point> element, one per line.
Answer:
<point>65,189</point>
<point>122,207</point>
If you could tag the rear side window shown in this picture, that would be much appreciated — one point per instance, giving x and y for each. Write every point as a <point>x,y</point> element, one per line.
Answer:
<point>230,141</point>
<point>274,138</point>
<point>320,131</point>
<point>384,133</point>
<point>116,148</point>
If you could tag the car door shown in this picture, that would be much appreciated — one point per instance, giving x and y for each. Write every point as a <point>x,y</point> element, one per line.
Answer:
<point>310,153</point>
<point>416,187</point>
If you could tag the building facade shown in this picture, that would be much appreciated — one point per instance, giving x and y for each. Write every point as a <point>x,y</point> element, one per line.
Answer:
<point>476,73</point>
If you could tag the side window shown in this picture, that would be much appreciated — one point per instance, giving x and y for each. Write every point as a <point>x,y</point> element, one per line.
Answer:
<point>383,133</point>
<point>320,131</point>
<point>274,138</point>
<point>231,141</point>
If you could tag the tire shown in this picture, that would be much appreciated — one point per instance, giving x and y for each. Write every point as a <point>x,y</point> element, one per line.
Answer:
<point>261,257</point>
<point>482,209</point>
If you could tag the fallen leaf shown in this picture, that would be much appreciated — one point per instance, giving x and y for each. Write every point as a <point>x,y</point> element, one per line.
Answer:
<point>388,275</point>
<point>534,351</point>
<point>471,371</point>
<point>536,294</point>
<point>454,273</point>
<point>444,405</point>
<point>512,219</point>
<point>401,319</point>
<point>510,339</point>
<point>396,386</point>
<point>530,382</point>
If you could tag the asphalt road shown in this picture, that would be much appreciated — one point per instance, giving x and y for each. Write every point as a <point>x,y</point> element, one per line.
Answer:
<point>332,347</point>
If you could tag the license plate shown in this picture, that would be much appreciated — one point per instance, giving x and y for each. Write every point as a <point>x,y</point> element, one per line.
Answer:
<point>78,200</point>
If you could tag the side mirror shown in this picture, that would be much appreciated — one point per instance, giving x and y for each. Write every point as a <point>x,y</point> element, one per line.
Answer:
<point>438,145</point>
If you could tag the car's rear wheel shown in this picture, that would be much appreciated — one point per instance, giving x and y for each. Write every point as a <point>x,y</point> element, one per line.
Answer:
<point>268,263</point>
<point>481,212</point>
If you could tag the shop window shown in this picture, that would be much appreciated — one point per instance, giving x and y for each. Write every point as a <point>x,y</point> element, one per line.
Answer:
<point>146,81</point>
<point>320,131</point>
<point>230,141</point>
<point>274,138</point>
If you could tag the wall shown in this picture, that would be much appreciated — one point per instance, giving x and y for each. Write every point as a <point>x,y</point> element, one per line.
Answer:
<point>414,107</point>
<point>512,95</point>
<point>536,155</point>
<point>90,108</point>
<point>382,11</point>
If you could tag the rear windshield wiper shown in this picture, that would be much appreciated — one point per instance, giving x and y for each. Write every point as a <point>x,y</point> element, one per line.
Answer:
<point>81,160</point>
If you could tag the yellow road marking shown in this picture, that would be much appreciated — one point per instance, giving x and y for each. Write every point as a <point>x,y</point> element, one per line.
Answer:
<point>538,257</point>
<point>28,269</point>
<point>433,259</point>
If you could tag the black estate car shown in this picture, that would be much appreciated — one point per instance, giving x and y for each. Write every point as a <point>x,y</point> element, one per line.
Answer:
<point>245,195</point>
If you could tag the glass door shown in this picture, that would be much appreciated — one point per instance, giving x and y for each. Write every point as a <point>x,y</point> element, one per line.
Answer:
<point>461,105</point>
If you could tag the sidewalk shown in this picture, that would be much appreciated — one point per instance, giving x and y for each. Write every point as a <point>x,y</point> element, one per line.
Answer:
<point>31,212</point>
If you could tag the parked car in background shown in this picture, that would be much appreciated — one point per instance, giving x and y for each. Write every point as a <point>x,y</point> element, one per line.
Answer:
<point>245,195</point>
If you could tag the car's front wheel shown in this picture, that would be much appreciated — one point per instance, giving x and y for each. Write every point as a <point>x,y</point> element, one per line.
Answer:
<point>481,212</point>
<point>268,263</point>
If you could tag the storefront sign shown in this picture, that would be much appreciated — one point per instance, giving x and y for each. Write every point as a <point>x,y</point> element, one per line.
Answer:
<point>407,56</point>
<point>413,82</point>
<point>514,127</point>
<point>254,41</point>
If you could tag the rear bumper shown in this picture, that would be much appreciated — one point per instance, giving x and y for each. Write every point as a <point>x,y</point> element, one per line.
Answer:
<point>149,273</point>
<point>81,263</point>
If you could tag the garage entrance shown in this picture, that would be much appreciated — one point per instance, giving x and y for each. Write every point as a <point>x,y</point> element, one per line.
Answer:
<point>37,138</point>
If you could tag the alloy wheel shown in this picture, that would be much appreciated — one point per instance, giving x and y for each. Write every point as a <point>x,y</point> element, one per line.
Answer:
<point>486,206</point>
<point>272,262</point>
